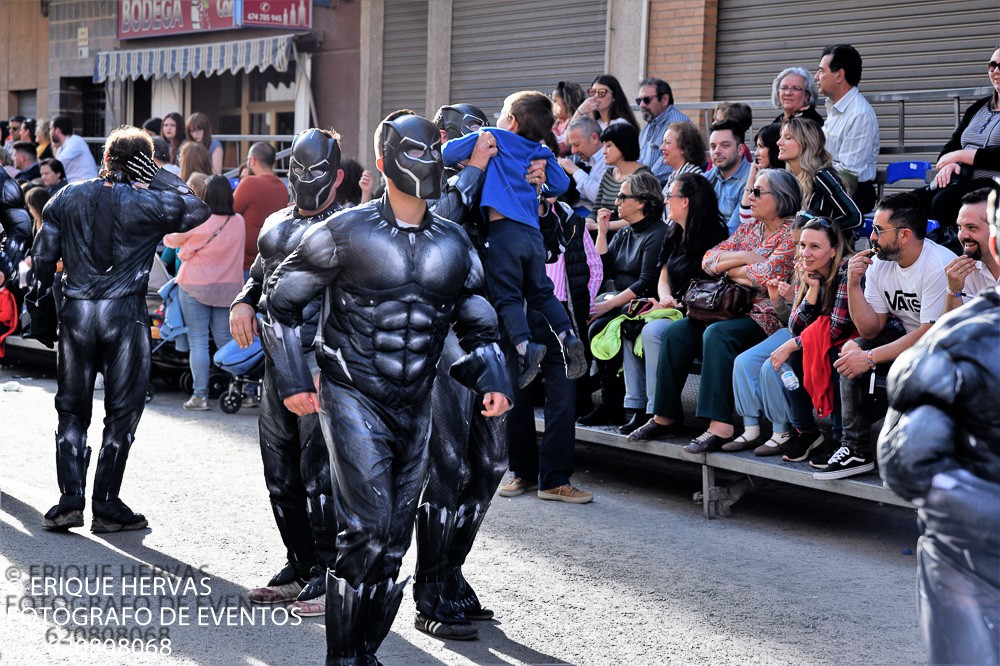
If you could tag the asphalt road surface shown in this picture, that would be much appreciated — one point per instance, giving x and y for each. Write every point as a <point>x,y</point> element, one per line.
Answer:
<point>638,577</point>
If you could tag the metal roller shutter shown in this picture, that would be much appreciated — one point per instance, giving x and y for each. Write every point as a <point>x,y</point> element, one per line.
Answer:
<point>907,45</point>
<point>404,56</point>
<point>500,48</point>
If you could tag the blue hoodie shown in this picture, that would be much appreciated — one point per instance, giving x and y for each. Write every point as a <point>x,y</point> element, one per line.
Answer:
<point>505,188</point>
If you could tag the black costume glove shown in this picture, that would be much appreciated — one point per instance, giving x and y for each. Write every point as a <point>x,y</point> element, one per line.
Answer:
<point>141,168</point>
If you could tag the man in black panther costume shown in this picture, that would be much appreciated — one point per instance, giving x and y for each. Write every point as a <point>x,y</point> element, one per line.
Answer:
<point>395,278</point>
<point>296,462</point>
<point>468,452</point>
<point>940,449</point>
<point>106,231</point>
<point>16,226</point>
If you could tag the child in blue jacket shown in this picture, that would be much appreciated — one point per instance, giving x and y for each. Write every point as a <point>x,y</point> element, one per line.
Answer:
<point>515,253</point>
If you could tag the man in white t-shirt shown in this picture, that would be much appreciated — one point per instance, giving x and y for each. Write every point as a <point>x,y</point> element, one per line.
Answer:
<point>72,151</point>
<point>976,269</point>
<point>904,277</point>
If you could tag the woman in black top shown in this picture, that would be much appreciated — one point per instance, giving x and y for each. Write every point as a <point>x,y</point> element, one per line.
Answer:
<point>630,264</point>
<point>693,229</point>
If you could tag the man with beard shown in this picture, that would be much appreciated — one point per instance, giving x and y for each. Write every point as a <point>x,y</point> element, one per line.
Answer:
<point>903,276</point>
<point>656,101</point>
<point>940,449</point>
<point>394,278</point>
<point>976,269</point>
<point>729,171</point>
<point>296,461</point>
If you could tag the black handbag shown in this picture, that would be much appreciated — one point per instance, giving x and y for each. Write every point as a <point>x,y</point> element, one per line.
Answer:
<point>716,300</point>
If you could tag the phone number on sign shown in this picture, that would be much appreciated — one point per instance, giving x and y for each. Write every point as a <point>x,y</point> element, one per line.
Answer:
<point>120,640</point>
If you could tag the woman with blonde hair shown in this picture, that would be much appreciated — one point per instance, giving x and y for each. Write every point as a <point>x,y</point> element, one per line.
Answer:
<point>199,130</point>
<point>802,147</point>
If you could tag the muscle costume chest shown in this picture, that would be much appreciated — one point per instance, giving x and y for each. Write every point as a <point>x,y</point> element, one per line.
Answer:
<point>281,233</point>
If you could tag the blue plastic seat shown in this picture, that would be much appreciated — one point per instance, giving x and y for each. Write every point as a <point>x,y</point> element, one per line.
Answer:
<point>904,170</point>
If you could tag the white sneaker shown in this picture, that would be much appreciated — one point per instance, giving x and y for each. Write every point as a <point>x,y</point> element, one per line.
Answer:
<point>196,404</point>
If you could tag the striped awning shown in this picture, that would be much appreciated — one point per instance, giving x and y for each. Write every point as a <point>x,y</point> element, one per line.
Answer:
<point>194,60</point>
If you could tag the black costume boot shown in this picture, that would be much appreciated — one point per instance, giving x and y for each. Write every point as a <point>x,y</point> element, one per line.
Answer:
<point>110,513</point>
<point>324,530</point>
<point>457,589</point>
<point>346,620</point>
<point>383,606</point>
<point>437,615</point>
<point>72,460</point>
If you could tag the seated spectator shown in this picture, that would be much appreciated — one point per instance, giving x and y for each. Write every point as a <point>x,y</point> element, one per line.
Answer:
<point>356,187</point>
<point>904,276</point>
<point>606,103</point>
<point>152,127</point>
<point>742,115</point>
<point>161,156</point>
<point>210,277</point>
<point>198,182</point>
<point>975,269</point>
<point>766,147</point>
<point>630,264</point>
<point>566,99</point>
<point>194,159</point>
<point>851,127</point>
<point>683,150</point>
<point>729,172</point>
<point>761,250</point>
<point>259,194</point>
<point>26,161</point>
<point>7,162</point>
<point>53,174</point>
<point>14,131</point>
<point>821,306</point>
<point>656,101</point>
<point>585,142</point>
<point>72,151</point>
<point>28,132</point>
<point>172,129</point>
<point>621,154</point>
<point>794,92</point>
<point>802,147</point>
<point>199,130</point>
<point>44,137</point>
<point>693,228</point>
<point>971,157</point>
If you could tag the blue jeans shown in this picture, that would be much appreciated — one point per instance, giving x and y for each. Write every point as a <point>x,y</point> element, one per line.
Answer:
<point>750,380</point>
<point>199,319</point>
<point>640,373</point>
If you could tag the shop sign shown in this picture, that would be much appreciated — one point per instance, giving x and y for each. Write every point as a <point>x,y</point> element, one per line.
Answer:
<point>157,18</point>
<point>277,13</point>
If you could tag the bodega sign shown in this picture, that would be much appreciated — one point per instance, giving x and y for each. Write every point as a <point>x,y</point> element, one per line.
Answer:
<point>158,18</point>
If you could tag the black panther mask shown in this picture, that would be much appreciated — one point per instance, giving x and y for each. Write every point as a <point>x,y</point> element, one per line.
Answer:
<point>457,120</point>
<point>312,168</point>
<point>411,151</point>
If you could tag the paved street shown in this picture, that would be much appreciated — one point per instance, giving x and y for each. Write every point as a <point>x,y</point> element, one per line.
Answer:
<point>637,577</point>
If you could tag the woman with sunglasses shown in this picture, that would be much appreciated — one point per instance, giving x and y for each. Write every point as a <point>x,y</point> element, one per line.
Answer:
<point>630,264</point>
<point>794,92</point>
<point>566,99</point>
<point>621,155</point>
<point>607,103</point>
<point>820,305</point>
<point>971,158</point>
<point>760,250</point>
<point>693,229</point>
<point>802,146</point>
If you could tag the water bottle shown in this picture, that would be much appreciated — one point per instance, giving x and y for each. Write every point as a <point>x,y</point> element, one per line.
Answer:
<point>788,377</point>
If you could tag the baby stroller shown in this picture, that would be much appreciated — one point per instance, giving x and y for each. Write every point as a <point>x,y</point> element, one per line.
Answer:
<point>247,369</point>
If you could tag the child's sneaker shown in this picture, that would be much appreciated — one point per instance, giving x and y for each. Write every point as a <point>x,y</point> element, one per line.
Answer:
<point>574,355</point>
<point>529,363</point>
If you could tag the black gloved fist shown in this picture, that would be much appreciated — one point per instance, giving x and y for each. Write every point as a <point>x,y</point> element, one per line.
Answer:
<point>141,168</point>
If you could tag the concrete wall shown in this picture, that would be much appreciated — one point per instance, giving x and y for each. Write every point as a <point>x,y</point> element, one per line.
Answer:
<point>24,56</point>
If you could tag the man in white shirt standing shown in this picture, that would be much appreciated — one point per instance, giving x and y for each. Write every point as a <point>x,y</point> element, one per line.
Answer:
<point>72,151</point>
<point>976,269</point>
<point>584,139</point>
<point>904,276</point>
<point>851,127</point>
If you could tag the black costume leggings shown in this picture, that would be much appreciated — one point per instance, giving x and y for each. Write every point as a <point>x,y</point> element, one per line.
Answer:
<point>112,337</point>
<point>298,477</point>
<point>379,456</point>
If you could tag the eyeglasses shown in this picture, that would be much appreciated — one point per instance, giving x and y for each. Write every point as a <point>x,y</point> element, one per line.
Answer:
<point>598,92</point>
<point>639,101</point>
<point>993,65</point>
<point>786,89</point>
<point>668,196</point>
<point>623,197</point>
<point>878,232</point>
<point>757,192</point>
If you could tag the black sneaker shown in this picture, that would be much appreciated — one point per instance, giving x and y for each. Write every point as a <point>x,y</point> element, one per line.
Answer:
<point>821,455</point>
<point>529,363</point>
<point>458,632</point>
<point>845,462</point>
<point>575,356</point>
<point>801,444</point>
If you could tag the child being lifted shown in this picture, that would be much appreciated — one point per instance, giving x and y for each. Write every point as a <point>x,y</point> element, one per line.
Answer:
<point>515,252</point>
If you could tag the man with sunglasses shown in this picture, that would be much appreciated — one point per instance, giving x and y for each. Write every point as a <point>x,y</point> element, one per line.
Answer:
<point>656,101</point>
<point>904,275</point>
<point>940,449</point>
